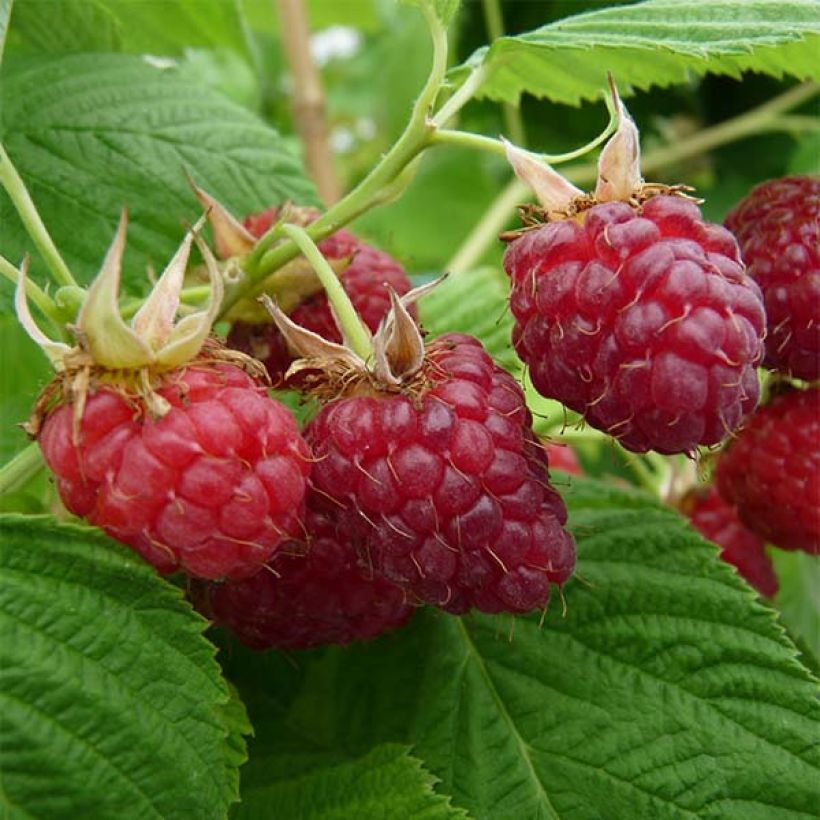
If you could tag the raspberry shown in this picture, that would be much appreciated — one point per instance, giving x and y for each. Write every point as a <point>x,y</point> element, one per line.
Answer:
<point>642,321</point>
<point>445,485</point>
<point>771,472</point>
<point>365,280</point>
<point>778,228</point>
<point>563,457</point>
<point>717,521</point>
<point>311,596</point>
<point>213,487</point>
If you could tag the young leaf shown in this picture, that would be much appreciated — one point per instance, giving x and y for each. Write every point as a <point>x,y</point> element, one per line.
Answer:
<point>91,133</point>
<point>657,42</point>
<point>385,782</point>
<point>112,700</point>
<point>667,691</point>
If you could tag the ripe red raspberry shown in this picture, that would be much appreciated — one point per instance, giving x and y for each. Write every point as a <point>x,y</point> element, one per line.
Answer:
<point>313,594</point>
<point>640,320</point>
<point>563,457</point>
<point>213,487</point>
<point>717,521</point>
<point>365,280</point>
<point>771,472</point>
<point>445,485</point>
<point>778,228</point>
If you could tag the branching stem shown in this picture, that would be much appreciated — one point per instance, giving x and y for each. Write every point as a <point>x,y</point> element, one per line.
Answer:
<point>22,201</point>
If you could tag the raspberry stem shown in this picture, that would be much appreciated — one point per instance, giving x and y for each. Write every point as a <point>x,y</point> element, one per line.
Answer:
<point>353,330</point>
<point>22,468</point>
<point>22,201</point>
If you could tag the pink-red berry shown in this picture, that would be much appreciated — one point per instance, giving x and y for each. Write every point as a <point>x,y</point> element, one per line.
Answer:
<point>446,488</point>
<point>641,320</point>
<point>717,521</point>
<point>213,487</point>
<point>311,594</point>
<point>778,228</point>
<point>771,471</point>
<point>365,281</point>
<point>563,457</point>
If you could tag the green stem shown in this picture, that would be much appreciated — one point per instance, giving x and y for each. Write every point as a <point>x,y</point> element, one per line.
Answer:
<point>376,187</point>
<point>766,117</point>
<point>20,197</point>
<point>647,478</point>
<point>15,474</point>
<point>352,328</point>
<point>34,292</point>
<point>462,95</point>
<point>513,122</point>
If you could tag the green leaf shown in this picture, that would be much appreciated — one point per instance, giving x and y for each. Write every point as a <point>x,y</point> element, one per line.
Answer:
<point>166,27</point>
<point>385,782</point>
<point>92,133</point>
<point>668,690</point>
<point>112,701</point>
<point>476,303</point>
<point>654,43</point>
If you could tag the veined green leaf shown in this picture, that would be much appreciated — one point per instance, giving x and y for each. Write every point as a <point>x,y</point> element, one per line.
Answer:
<point>668,690</point>
<point>657,42</point>
<point>385,782</point>
<point>112,702</point>
<point>92,133</point>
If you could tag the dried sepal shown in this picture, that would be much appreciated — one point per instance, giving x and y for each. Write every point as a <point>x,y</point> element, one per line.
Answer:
<point>154,321</point>
<point>104,333</point>
<point>56,351</point>
<point>398,346</point>
<point>189,333</point>
<point>619,166</point>
<point>306,344</point>
<point>231,237</point>
<point>553,192</point>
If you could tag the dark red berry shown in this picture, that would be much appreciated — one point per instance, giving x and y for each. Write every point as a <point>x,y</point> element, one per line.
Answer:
<point>716,520</point>
<point>213,487</point>
<point>778,228</point>
<point>771,471</point>
<point>447,488</point>
<point>643,322</point>
<point>364,279</point>
<point>311,594</point>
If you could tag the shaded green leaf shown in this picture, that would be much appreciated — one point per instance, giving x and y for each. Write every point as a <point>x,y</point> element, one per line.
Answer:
<point>92,133</point>
<point>799,597</point>
<point>385,782</point>
<point>667,691</point>
<point>474,303</point>
<point>657,42</point>
<point>111,697</point>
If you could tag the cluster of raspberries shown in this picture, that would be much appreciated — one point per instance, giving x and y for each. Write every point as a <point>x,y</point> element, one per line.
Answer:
<point>384,502</point>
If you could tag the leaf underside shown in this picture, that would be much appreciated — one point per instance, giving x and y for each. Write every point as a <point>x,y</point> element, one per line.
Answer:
<point>655,43</point>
